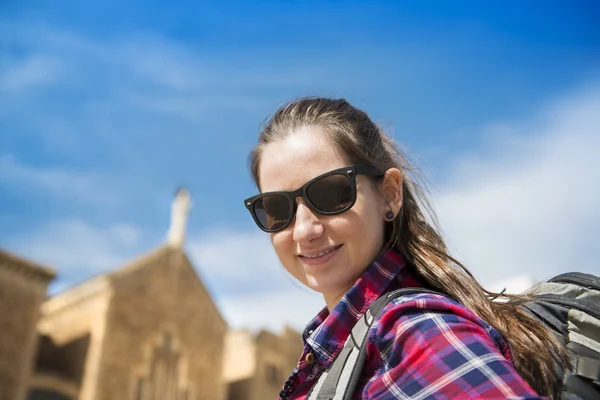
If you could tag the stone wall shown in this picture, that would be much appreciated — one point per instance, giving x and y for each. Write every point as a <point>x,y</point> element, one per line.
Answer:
<point>22,289</point>
<point>240,355</point>
<point>258,364</point>
<point>72,332</point>
<point>166,336</point>
<point>292,349</point>
<point>276,358</point>
<point>149,331</point>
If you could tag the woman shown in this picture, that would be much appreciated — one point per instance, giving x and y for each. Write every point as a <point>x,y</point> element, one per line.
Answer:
<point>346,219</point>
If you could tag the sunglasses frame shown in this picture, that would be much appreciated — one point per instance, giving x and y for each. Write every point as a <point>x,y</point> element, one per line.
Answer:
<point>291,195</point>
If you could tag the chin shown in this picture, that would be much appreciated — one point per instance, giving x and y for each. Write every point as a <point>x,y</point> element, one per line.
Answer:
<point>327,286</point>
<point>318,285</point>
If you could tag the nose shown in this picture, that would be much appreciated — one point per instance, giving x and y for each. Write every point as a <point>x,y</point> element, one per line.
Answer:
<point>307,226</point>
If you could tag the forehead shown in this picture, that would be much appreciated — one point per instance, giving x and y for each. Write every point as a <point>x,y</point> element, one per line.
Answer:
<point>288,163</point>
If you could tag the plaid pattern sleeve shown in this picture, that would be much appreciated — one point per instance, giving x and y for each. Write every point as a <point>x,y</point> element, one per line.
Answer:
<point>430,347</point>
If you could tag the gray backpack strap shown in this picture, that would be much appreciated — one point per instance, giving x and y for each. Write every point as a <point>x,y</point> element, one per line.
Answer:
<point>334,383</point>
<point>340,381</point>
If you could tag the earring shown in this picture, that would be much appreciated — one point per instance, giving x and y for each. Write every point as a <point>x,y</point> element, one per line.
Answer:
<point>389,215</point>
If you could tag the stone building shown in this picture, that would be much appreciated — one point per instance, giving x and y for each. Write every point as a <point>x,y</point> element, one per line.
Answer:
<point>146,331</point>
<point>256,365</point>
<point>22,289</point>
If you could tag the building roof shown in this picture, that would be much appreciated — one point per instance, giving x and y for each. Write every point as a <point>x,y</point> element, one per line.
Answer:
<point>99,283</point>
<point>26,267</point>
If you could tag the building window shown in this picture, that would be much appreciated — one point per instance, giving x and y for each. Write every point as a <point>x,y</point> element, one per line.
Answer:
<point>162,381</point>
<point>40,394</point>
<point>273,375</point>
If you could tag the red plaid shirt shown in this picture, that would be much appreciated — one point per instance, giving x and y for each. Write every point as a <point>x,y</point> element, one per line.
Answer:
<point>421,346</point>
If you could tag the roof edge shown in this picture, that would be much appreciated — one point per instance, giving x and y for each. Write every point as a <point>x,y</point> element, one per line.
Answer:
<point>23,265</point>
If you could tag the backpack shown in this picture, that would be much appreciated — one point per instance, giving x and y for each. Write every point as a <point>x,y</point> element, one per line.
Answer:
<point>568,304</point>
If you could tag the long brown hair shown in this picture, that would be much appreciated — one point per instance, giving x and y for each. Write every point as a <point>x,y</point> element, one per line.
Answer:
<point>415,233</point>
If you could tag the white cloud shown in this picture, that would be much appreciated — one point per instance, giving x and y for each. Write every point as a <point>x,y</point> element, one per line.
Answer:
<point>122,101</point>
<point>57,182</point>
<point>272,310</point>
<point>527,204</point>
<point>29,73</point>
<point>146,71</point>
<point>78,250</point>
<point>243,248</point>
<point>513,284</point>
<point>239,263</point>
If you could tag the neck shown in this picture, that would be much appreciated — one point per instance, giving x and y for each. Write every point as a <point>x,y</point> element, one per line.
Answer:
<point>332,300</point>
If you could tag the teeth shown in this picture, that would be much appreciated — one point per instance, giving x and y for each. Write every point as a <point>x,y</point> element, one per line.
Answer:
<point>321,254</point>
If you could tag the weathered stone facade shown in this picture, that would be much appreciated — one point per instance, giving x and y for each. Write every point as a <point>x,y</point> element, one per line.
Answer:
<point>72,331</point>
<point>148,331</point>
<point>257,365</point>
<point>22,290</point>
<point>163,318</point>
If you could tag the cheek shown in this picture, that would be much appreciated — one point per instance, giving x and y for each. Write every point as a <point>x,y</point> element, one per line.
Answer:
<point>282,243</point>
<point>284,247</point>
<point>367,226</point>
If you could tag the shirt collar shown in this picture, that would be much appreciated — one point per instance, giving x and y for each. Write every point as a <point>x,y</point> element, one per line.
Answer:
<point>325,335</point>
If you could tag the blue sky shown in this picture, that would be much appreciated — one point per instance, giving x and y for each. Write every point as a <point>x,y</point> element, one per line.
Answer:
<point>107,107</point>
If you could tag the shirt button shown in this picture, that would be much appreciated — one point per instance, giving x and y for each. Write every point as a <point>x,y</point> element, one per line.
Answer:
<point>310,358</point>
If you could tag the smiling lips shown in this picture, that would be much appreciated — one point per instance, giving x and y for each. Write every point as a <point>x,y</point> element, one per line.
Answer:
<point>321,257</point>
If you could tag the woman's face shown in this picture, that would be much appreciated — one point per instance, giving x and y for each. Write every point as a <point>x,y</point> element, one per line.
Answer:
<point>351,240</point>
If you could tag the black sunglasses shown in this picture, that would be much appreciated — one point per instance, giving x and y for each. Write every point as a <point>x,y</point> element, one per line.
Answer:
<point>331,193</point>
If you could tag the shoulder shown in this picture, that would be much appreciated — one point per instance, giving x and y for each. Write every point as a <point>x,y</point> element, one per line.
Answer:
<point>426,345</point>
<point>434,322</point>
<point>413,308</point>
<point>423,306</point>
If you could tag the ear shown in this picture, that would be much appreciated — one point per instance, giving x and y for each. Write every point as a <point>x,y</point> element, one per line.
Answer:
<point>391,189</point>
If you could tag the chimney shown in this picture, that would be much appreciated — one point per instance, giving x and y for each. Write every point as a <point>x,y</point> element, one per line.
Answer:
<point>179,214</point>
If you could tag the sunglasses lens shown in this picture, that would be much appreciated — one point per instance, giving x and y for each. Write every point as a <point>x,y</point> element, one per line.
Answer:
<point>331,193</point>
<point>272,211</point>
